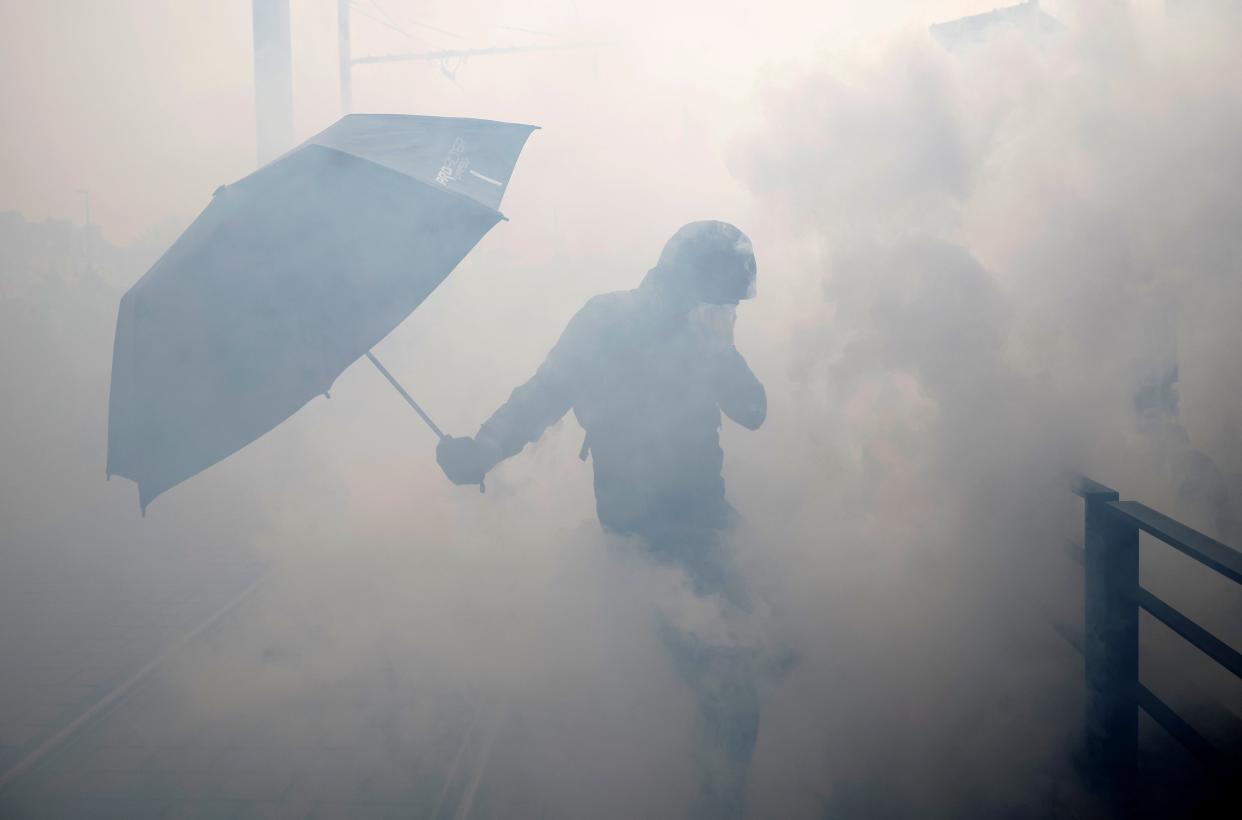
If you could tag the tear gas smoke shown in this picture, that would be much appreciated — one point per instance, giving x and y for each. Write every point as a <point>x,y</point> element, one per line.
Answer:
<point>979,270</point>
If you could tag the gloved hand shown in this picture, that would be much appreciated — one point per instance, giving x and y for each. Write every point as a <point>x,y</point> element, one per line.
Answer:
<point>461,459</point>
<point>711,326</point>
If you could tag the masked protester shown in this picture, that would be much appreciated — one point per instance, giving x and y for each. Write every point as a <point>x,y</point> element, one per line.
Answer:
<point>648,373</point>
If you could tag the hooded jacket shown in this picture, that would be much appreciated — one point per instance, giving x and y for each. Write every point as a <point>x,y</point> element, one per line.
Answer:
<point>649,390</point>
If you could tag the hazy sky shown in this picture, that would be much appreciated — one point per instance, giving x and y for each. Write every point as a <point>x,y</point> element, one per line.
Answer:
<point>149,104</point>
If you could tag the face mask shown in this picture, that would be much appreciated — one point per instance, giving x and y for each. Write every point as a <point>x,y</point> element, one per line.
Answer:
<point>712,326</point>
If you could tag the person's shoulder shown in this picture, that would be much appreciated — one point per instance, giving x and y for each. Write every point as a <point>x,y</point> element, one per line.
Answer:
<point>613,300</point>
<point>605,306</point>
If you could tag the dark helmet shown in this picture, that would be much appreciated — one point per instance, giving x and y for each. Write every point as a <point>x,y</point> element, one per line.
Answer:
<point>707,262</point>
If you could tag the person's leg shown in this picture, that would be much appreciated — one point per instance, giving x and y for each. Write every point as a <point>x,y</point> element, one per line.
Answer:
<point>727,727</point>
<point>714,659</point>
<point>726,720</point>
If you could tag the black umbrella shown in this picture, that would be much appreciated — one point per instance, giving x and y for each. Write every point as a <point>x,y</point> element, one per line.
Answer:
<point>289,276</point>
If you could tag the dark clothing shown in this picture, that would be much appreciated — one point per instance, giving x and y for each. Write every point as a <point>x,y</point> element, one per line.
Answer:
<point>649,394</point>
<point>648,385</point>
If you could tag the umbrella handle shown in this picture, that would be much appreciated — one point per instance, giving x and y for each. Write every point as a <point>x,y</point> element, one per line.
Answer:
<point>410,401</point>
<point>408,398</point>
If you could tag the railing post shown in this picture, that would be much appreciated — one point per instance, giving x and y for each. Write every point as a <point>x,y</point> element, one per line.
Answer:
<point>1111,642</point>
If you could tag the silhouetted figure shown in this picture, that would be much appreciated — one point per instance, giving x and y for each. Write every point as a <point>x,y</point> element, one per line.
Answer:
<point>647,373</point>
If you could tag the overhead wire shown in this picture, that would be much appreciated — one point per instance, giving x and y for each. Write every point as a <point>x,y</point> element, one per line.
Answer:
<point>437,29</point>
<point>375,4</point>
<point>360,10</point>
<point>525,30</point>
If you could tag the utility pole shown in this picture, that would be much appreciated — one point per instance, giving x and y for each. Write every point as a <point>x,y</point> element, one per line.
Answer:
<point>273,78</point>
<point>346,57</point>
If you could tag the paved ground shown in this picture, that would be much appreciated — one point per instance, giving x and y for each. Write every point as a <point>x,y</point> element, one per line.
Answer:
<point>155,754</point>
<point>70,636</point>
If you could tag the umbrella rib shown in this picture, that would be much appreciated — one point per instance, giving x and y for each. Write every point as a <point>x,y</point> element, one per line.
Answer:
<point>419,180</point>
<point>409,399</point>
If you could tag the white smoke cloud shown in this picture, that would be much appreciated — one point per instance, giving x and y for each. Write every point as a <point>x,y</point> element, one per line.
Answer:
<point>970,265</point>
<point>1014,242</point>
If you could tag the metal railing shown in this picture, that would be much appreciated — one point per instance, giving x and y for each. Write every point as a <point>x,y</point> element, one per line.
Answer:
<point>1110,638</point>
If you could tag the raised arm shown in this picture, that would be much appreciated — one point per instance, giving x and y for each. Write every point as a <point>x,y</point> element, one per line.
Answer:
<point>740,395</point>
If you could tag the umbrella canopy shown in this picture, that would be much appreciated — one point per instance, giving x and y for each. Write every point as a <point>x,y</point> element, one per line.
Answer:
<point>287,277</point>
